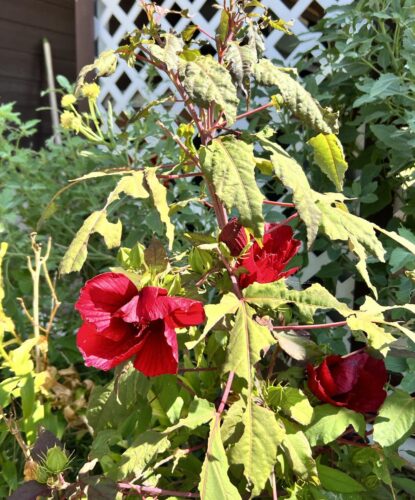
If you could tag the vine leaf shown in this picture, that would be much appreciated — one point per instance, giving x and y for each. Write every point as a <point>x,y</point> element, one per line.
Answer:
<point>230,165</point>
<point>214,479</point>
<point>329,157</point>
<point>247,340</point>
<point>296,98</point>
<point>200,412</point>
<point>395,420</point>
<point>290,173</point>
<point>257,446</point>
<point>159,194</point>
<point>292,401</point>
<point>97,222</point>
<point>206,81</point>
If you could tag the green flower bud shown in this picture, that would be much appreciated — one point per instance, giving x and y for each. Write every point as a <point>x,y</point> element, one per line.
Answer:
<point>56,460</point>
<point>42,475</point>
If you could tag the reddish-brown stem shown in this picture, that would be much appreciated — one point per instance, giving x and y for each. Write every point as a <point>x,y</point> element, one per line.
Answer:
<point>279,203</point>
<point>180,176</point>
<point>225,394</point>
<point>154,491</point>
<point>283,222</point>
<point>255,110</point>
<point>310,327</point>
<point>205,33</point>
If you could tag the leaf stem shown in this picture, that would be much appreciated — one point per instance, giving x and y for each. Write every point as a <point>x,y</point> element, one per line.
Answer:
<point>154,491</point>
<point>279,203</point>
<point>255,110</point>
<point>310,327</point>
<point>283,222</point>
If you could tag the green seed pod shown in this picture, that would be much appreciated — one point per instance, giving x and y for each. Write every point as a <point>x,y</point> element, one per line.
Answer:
<point>56,460</point>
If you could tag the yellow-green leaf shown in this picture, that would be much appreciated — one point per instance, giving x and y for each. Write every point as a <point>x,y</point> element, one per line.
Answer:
<point>296,98</point>
<point>329,156</point>
<point>6,323</point>
<point>159,194</point>
<point>230,165</point>
<point>290,173</point>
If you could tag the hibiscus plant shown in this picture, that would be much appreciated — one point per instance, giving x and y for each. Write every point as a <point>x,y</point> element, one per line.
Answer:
<point>224,387</point>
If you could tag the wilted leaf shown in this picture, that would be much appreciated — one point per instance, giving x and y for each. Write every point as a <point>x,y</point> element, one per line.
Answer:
<point>169,53</point>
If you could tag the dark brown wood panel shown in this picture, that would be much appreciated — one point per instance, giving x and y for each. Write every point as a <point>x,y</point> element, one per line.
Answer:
<point>38,14</point>
<point>23,26</point>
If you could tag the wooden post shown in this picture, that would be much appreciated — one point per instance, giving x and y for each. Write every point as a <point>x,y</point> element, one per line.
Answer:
<point>84,32</point>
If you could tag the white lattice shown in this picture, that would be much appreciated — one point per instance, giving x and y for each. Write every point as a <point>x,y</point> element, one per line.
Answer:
<point>117,17</point>
<point>127,86</point>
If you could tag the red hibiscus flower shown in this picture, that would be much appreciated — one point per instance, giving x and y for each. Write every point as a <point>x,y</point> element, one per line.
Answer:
<point>355,381</point>
<point>121,322</point>
<point>266,264</point>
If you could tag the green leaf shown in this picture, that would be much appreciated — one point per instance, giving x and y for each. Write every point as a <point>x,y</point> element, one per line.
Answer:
<point>257,447</point>
<point>299,348</point>
<point>228,304</point>
<point>20,360</point>
<point>329,156</point>
<point>97,222</point>
<point>336,480</point>
<point>201,411</point>
<point>6,323</point>
<point>395,420</point>
<point>296,98</point>
<point>329,422</point>
<point>360,252</point>
<point>247,340</point>
<point>293,177</point>
<point>77,252</point>
<point>159,194</point>
<point>307,301</point>
<point>104,65</point>
<point>297,447</point>
<point>293,402</point>
<point>140,454</point>
<point>214,479</point>
<point>169,53</point>
<point>230,165</point>
<point>240,60</point>
<point>409,245</point>
<point>378,338</point>
<point>207,82</point>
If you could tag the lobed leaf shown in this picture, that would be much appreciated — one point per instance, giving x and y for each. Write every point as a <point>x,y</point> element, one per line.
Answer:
<point>230,165</point>
<point>207,82</point>
<point>292,176</point>
<point>296,98</point>
<point>169,53</point>
<point>298,449</point>
<point>329,157</point>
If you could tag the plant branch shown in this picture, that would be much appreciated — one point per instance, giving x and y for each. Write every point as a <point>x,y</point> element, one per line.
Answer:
<point>283,223</point>
<point>279,203</point>
<point>154,491</point>
<point>255,110</point>
<point>179,142</point>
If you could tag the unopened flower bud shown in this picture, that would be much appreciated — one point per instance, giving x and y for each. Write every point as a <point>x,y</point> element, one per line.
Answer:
<point>67,100</point>
<point>200,260</point>
<point>91,90</point>
<point>234,236</point>
<point>56,460</point>
<point>71,121</point>
<point>42,475</point>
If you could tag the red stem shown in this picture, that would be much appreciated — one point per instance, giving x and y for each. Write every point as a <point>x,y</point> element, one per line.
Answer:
<point>154,491</point>
<point>279,203</point>
<point>310,327</point>
<point>283,223</point>
<point>255,110</point>
<point>180,176</point>
<point>225,394</point>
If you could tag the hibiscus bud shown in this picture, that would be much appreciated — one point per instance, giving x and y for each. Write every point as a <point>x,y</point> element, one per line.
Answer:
<point>234,236</point>
<point>56,460</point>
<point>200,260</point>
<point>354,381</point>
<point>42,475</point>
<point>371,481</point>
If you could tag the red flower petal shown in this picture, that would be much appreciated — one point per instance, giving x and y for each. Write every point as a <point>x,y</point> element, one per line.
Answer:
<point>101,297</point>
<point>317,387</point>
<point>234,236</point>
<point>102,352</point>
<point>186,312</point>
<point>159,353</point>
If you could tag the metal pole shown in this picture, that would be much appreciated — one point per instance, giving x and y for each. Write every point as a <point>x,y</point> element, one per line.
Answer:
<point>47,52</point>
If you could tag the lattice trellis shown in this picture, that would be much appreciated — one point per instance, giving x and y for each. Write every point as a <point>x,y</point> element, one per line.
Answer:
<point>117,17</point>
<point>129,87</point>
